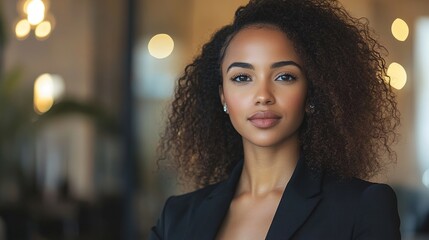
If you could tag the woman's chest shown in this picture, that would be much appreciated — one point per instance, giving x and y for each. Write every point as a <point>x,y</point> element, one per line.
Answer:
<point>249,218</point>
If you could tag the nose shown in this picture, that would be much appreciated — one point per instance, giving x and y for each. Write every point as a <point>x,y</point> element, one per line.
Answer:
<point>264,94</point>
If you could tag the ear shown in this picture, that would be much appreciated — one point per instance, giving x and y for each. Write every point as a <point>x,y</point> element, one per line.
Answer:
<point>222,98</point>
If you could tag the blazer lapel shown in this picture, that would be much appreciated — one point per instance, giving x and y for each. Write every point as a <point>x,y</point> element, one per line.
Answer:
<point>299,199</point>
<point>301,196</point>
<point>212,211</point>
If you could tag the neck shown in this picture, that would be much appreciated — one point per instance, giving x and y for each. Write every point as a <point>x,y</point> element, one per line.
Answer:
<point>268,169</point>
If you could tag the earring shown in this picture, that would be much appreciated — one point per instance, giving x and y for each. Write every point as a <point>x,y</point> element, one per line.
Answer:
<point>225,108</point>
<point>310,108</point>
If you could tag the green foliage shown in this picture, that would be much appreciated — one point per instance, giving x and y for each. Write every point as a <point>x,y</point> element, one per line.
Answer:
<point>15,104</point>
<point>19,123</point>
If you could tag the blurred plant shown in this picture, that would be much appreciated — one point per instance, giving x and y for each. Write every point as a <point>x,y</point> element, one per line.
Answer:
<point>14,110</point>
<point>2,37</point>
<point>101,118</point>
<point>19,123</point>
<point>16,113</point>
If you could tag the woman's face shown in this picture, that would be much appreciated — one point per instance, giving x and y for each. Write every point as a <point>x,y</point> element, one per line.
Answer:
<point>264,86</point>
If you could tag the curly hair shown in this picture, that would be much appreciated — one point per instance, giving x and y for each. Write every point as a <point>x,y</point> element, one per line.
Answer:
<point>355,117</point>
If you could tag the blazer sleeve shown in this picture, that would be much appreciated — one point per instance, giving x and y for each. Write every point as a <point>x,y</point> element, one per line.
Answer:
<point>377,216</point>
<point>157,231</point>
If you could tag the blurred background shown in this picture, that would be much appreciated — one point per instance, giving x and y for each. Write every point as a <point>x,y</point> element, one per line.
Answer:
<point>83,91</point>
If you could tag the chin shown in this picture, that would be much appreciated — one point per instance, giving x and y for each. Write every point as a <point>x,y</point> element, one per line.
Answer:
<point>273,138</point>
<point>272,142</point>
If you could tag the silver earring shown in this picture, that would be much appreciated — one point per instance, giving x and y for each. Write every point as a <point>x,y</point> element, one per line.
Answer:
<point>225,108</point>
<point>310,108</point>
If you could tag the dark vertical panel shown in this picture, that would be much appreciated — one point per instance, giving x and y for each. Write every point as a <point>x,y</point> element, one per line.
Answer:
<point>129,160</point>
<point>2,37</point>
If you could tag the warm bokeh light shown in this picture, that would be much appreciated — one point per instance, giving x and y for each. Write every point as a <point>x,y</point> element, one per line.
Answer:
<point>51,19</point>
<point>47,88</point>
<point>38,19</point>
<point>43,30</point>
<point>58,83</point>
<point>35,11</point>
<point>397,74</point>
<point>400,29</point>
<point>43,93</point>
<point>22,29</point>
<point>25,6</point>
<point>161,46</point>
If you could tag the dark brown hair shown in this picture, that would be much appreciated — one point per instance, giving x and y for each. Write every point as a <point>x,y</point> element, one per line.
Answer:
<point>355,115</point>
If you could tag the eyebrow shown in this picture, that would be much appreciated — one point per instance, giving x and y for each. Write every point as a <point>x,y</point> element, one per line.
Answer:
<point>274,65</point>
<point>240,65</point>
<point>285,63</point>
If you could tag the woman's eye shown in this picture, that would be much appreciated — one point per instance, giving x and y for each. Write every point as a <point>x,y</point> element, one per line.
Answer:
<point>241,78</point>
<point>286,78</point>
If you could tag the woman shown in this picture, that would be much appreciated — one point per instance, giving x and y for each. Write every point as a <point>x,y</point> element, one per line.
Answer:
<point>277,121</point>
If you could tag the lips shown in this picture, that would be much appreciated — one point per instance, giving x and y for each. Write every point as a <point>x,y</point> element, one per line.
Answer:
<point>264,119</point>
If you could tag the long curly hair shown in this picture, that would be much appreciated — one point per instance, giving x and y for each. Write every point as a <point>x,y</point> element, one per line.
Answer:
<point>355,116</point>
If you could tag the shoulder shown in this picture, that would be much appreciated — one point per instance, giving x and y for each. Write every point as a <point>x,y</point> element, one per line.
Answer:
<point>178,213</point>
<point>358,190</point>
<point>355,187</point>
<point>359,193</point>
<point>372,207</point>
<point>190,200</point>
<point>377,213</point>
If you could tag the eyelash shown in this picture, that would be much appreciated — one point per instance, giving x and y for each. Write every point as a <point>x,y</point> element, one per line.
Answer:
<point>291,77</point>
<point>235,77</point>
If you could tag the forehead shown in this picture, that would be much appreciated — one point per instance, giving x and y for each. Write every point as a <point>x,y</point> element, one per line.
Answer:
<point>259,44</point>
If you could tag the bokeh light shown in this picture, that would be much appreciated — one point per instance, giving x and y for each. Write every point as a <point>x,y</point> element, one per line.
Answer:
<point>22,29</point>
<point>161,46</point>
<point>425,178</point>
<point>397,74</point>
<point>38,18</point>
<point>400,29</point>
<point>47,88</point>
<point>43,30</point>
<point>35,11</point>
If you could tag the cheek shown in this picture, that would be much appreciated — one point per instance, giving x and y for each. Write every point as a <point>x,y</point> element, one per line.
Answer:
<point>295,100</point>
<point>234,96</point>
<point>235,103</point>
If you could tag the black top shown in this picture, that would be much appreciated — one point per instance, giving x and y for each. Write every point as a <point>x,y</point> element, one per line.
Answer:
<point>313,206</point>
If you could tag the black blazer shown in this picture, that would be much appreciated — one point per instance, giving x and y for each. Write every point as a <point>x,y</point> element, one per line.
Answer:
<point>313,206</point>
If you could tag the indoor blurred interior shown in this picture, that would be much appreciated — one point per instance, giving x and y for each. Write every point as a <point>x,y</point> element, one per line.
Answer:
<point>83,91</point>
